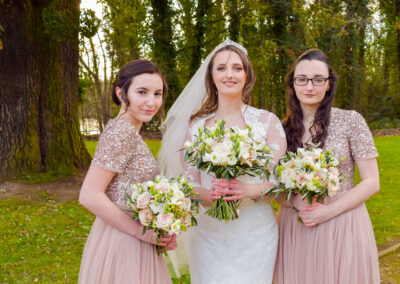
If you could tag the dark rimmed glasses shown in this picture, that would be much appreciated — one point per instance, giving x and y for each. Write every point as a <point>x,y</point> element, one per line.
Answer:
<point>302,81</point>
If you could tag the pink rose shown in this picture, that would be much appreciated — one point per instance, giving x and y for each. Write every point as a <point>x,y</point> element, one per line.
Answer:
<point>334,171</point>
<point>143,200</point>
<point>333,189</point>
<point>164,221</point>
<point>186,220</point>
<point>145,217</point>
<point>162,186</point>
<point>185,204</point>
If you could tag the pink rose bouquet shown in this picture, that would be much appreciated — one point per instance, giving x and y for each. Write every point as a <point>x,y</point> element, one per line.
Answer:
<point>163,205</point>
<point>311,172</point>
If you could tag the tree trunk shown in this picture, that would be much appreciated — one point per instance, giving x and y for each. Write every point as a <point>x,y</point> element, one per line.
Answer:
<point>164,53</point>
<point>234,21</point>
<point>39,88</point>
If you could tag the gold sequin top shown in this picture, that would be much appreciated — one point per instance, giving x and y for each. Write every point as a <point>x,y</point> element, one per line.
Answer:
<point>122,150</point>
<point>350,138</point>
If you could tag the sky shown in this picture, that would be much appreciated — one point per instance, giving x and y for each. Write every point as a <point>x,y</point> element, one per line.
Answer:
<point>92,4</point>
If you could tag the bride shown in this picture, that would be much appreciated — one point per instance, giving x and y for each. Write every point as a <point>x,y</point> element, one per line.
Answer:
<point>242,250</point>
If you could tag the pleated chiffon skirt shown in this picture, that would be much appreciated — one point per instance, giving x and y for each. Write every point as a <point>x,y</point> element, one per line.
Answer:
<point>340,251</point>
<point>111,256</point>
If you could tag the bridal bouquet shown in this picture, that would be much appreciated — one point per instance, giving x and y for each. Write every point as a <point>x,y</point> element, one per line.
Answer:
<point>163,205</point>
<point>311,172</point>
<point>228,153</point>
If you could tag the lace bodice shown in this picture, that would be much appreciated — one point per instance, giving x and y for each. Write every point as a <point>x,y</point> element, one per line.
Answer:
<point>122,150</point>
<point>265,126</point>
<point>350,139</point>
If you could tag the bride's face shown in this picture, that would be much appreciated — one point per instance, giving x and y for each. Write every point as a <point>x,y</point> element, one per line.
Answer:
<point>228,73</point>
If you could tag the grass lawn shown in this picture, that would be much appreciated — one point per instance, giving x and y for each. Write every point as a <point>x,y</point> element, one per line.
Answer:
<point>42,241</point>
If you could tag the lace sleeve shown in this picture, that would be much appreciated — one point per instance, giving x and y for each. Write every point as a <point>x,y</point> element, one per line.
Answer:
<point>276,137</point>
<point>360,138</point>
<point>115,147</point>
<point>191,172</point>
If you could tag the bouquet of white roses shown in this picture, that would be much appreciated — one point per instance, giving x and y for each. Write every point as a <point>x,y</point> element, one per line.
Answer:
<point>311,172</point>
<point>163,205</point>
<point>228,153</point>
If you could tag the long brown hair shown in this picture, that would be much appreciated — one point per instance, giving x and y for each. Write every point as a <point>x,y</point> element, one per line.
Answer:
<point>129,71</point>
<point>293,121</point>
<point>211,103</point>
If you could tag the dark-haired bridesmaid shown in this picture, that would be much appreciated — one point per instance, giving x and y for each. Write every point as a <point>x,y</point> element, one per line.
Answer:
<point>116,251</point>
<point>335,243</point>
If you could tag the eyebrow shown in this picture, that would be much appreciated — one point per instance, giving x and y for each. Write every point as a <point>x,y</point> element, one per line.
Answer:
<point>236,63</point>
<point>303,75</point>
<point>144,88</point>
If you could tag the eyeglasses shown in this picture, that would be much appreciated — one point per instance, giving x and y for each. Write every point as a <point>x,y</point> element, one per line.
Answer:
<point>302,81</point>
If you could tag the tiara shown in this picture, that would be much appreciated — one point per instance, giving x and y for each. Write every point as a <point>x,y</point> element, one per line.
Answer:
<point>230,42</point>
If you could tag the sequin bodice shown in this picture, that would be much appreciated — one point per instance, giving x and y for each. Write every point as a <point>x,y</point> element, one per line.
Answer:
<point>122,150</point>
<point>350,139</point>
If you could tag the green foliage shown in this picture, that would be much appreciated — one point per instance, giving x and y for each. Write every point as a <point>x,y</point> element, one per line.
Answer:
<point>59,23</point>
<point>384,123</point>
<point>89,23</point>
<point>361,38</point>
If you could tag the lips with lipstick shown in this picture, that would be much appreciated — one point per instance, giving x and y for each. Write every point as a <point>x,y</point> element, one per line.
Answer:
<point>229,83</point>
<point>148,111</point>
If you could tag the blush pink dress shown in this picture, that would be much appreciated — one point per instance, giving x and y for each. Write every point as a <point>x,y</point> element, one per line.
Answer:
<point>111,256</point>
<point>342,250</point>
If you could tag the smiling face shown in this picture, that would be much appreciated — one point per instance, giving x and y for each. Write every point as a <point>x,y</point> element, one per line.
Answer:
<point>228,74</point>
<point>310,95</point>
<point>144,96</point>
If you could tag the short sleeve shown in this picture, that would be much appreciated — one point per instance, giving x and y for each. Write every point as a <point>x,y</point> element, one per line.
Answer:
<point>361,142</point>
<point>116,145</point>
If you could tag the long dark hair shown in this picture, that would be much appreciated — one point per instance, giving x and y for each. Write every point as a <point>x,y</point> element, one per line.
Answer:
<point>293,121</point>
<point>211,103</point>
<point>129,71</point>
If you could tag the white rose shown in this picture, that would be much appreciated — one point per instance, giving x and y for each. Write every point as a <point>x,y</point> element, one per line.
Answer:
<point>177,197</point>
<point>164,221</point>
<point>287,177</point>
<point>221,150</point>
<point>143,200</point>
<point>162,186</point>
<point>307,160</point>
<point>145,217</point>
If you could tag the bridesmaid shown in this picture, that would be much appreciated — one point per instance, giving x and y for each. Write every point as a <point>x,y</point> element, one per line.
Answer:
<point>116,251</point>
<point>335,243</point>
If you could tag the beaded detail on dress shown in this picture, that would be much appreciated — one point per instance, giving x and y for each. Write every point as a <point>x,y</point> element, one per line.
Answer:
<point>350,138</point>
<point>121,149</point>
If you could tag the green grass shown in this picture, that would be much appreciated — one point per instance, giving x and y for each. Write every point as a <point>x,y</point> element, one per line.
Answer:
<point>43,241</point>
<point>384,207</point>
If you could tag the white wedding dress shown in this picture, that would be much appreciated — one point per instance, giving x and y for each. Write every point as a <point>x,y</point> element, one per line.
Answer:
<point>242,250</point>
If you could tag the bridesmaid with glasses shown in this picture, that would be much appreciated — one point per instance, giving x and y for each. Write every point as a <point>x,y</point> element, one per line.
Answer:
<point>335,243</point>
